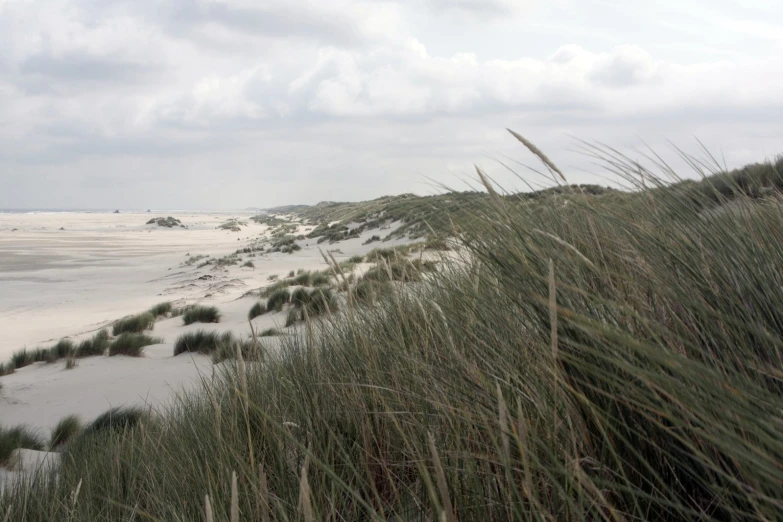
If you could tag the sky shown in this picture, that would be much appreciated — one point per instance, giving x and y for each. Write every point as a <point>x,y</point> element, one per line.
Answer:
<point>226,104</point>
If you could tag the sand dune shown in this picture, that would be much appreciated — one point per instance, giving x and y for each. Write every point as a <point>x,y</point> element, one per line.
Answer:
<point>69,283</point>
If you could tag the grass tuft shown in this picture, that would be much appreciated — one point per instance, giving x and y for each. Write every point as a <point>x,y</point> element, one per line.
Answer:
<point>134,324</point>
<point>18,437</point>
<point>96,345</point>
<point>132,344</point>
<point>202,341</point>
<point>257,309</point>
<point>65,430</point>
<point>201,314</point>
<point>161,309</point>
<point>278,299</point>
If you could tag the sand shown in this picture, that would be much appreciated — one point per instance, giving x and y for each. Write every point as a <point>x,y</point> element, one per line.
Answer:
<point>69,283</point>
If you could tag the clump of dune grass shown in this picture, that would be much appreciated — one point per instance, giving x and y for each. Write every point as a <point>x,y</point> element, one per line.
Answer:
<point>272,277</point>
<point>202,341</point>
<point>303,279</point>
<point>278,299</point>
<point>6,368</point>
<point>134,324</point>
<point>248,264</point>
<point>301,296</point>
<point>319,280</point>
<point>18,437</point>
<point>71,363</point>
<point>613,358</point>
<point>161,309</point>
<point>96,345</point>
<point>22,358</point>
<point>291,273</point>
<point>108,428</point>
<point>65,430</point>
<point>132,344</point>
<point>356,259</point>
<point>250,349</point>
<point>201,314</point>
<point>269,332</point>
<point>293,316</point>
<point>257,309</point>
<point>62,349</point>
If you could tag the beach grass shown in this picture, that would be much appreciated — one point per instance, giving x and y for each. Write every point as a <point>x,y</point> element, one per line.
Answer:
<point>18,437</point>
<point>257,309</point>
<point>132,344</point>
<point>202,341</point>
<point>65,430</point>
<point>96,345</point>
<point>201,314</point>
<point>161,309</point>
<point>134,324</point>
<point>584,358</point>
<point>278,299</point>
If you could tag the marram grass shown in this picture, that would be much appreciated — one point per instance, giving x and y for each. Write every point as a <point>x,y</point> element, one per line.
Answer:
<point>587,358</point>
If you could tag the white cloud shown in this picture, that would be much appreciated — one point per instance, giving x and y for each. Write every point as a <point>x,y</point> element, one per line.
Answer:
<point>321,89</point>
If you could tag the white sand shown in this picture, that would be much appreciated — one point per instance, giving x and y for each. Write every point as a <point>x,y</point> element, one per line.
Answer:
<point>68,283</point>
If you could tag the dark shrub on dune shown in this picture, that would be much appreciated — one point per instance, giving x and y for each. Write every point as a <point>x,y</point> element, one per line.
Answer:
<point>22,358</point>
<point>277,299</point>
<point>134,324</point>
<point>201,314</point>
<point>257,309</point>
<point>132,344</point>
<point>18,437</point>
<point>65,430</point>
<point>161,309</point>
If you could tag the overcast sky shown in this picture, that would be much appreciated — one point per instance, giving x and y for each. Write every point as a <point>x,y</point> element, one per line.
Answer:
<point>235,103</point>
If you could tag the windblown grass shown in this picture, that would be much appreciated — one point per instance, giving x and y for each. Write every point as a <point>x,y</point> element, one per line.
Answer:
<point>18,437</point>
<point>65,430</point>
<point>605,359</point>
<point>132,344</point>
<point>134,324</point>
<point>202,341</point>
<point>201,314</point>
<point>278,299</point>
<point>96,345</point>
<point>161,309</point>
<point>257,309</point>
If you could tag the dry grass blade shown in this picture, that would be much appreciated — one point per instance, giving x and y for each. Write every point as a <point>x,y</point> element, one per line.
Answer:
<point>208,514</point>
<point>304,492</point>
<point>443,488</point>
<point>535,150</point>
<point>553,309</point>
<point>234,498</point>
<point>263,494</point>
<point>503,421</point>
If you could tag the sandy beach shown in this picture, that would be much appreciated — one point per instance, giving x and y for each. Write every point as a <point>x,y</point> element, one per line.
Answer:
<point>67,275</point>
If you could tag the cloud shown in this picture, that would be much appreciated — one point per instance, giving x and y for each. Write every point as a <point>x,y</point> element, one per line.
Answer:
<point>285,94</point>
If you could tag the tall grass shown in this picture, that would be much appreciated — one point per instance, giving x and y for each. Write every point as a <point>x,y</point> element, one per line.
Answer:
<point>257,309</point>
<point>96,345</point>
<point>161,309</point>
<point>132,344</point>
<point>134,324</point>
<point>201,314</point>
<point>585,359</point>
<point>66,429</point>
<point>18,437</point>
